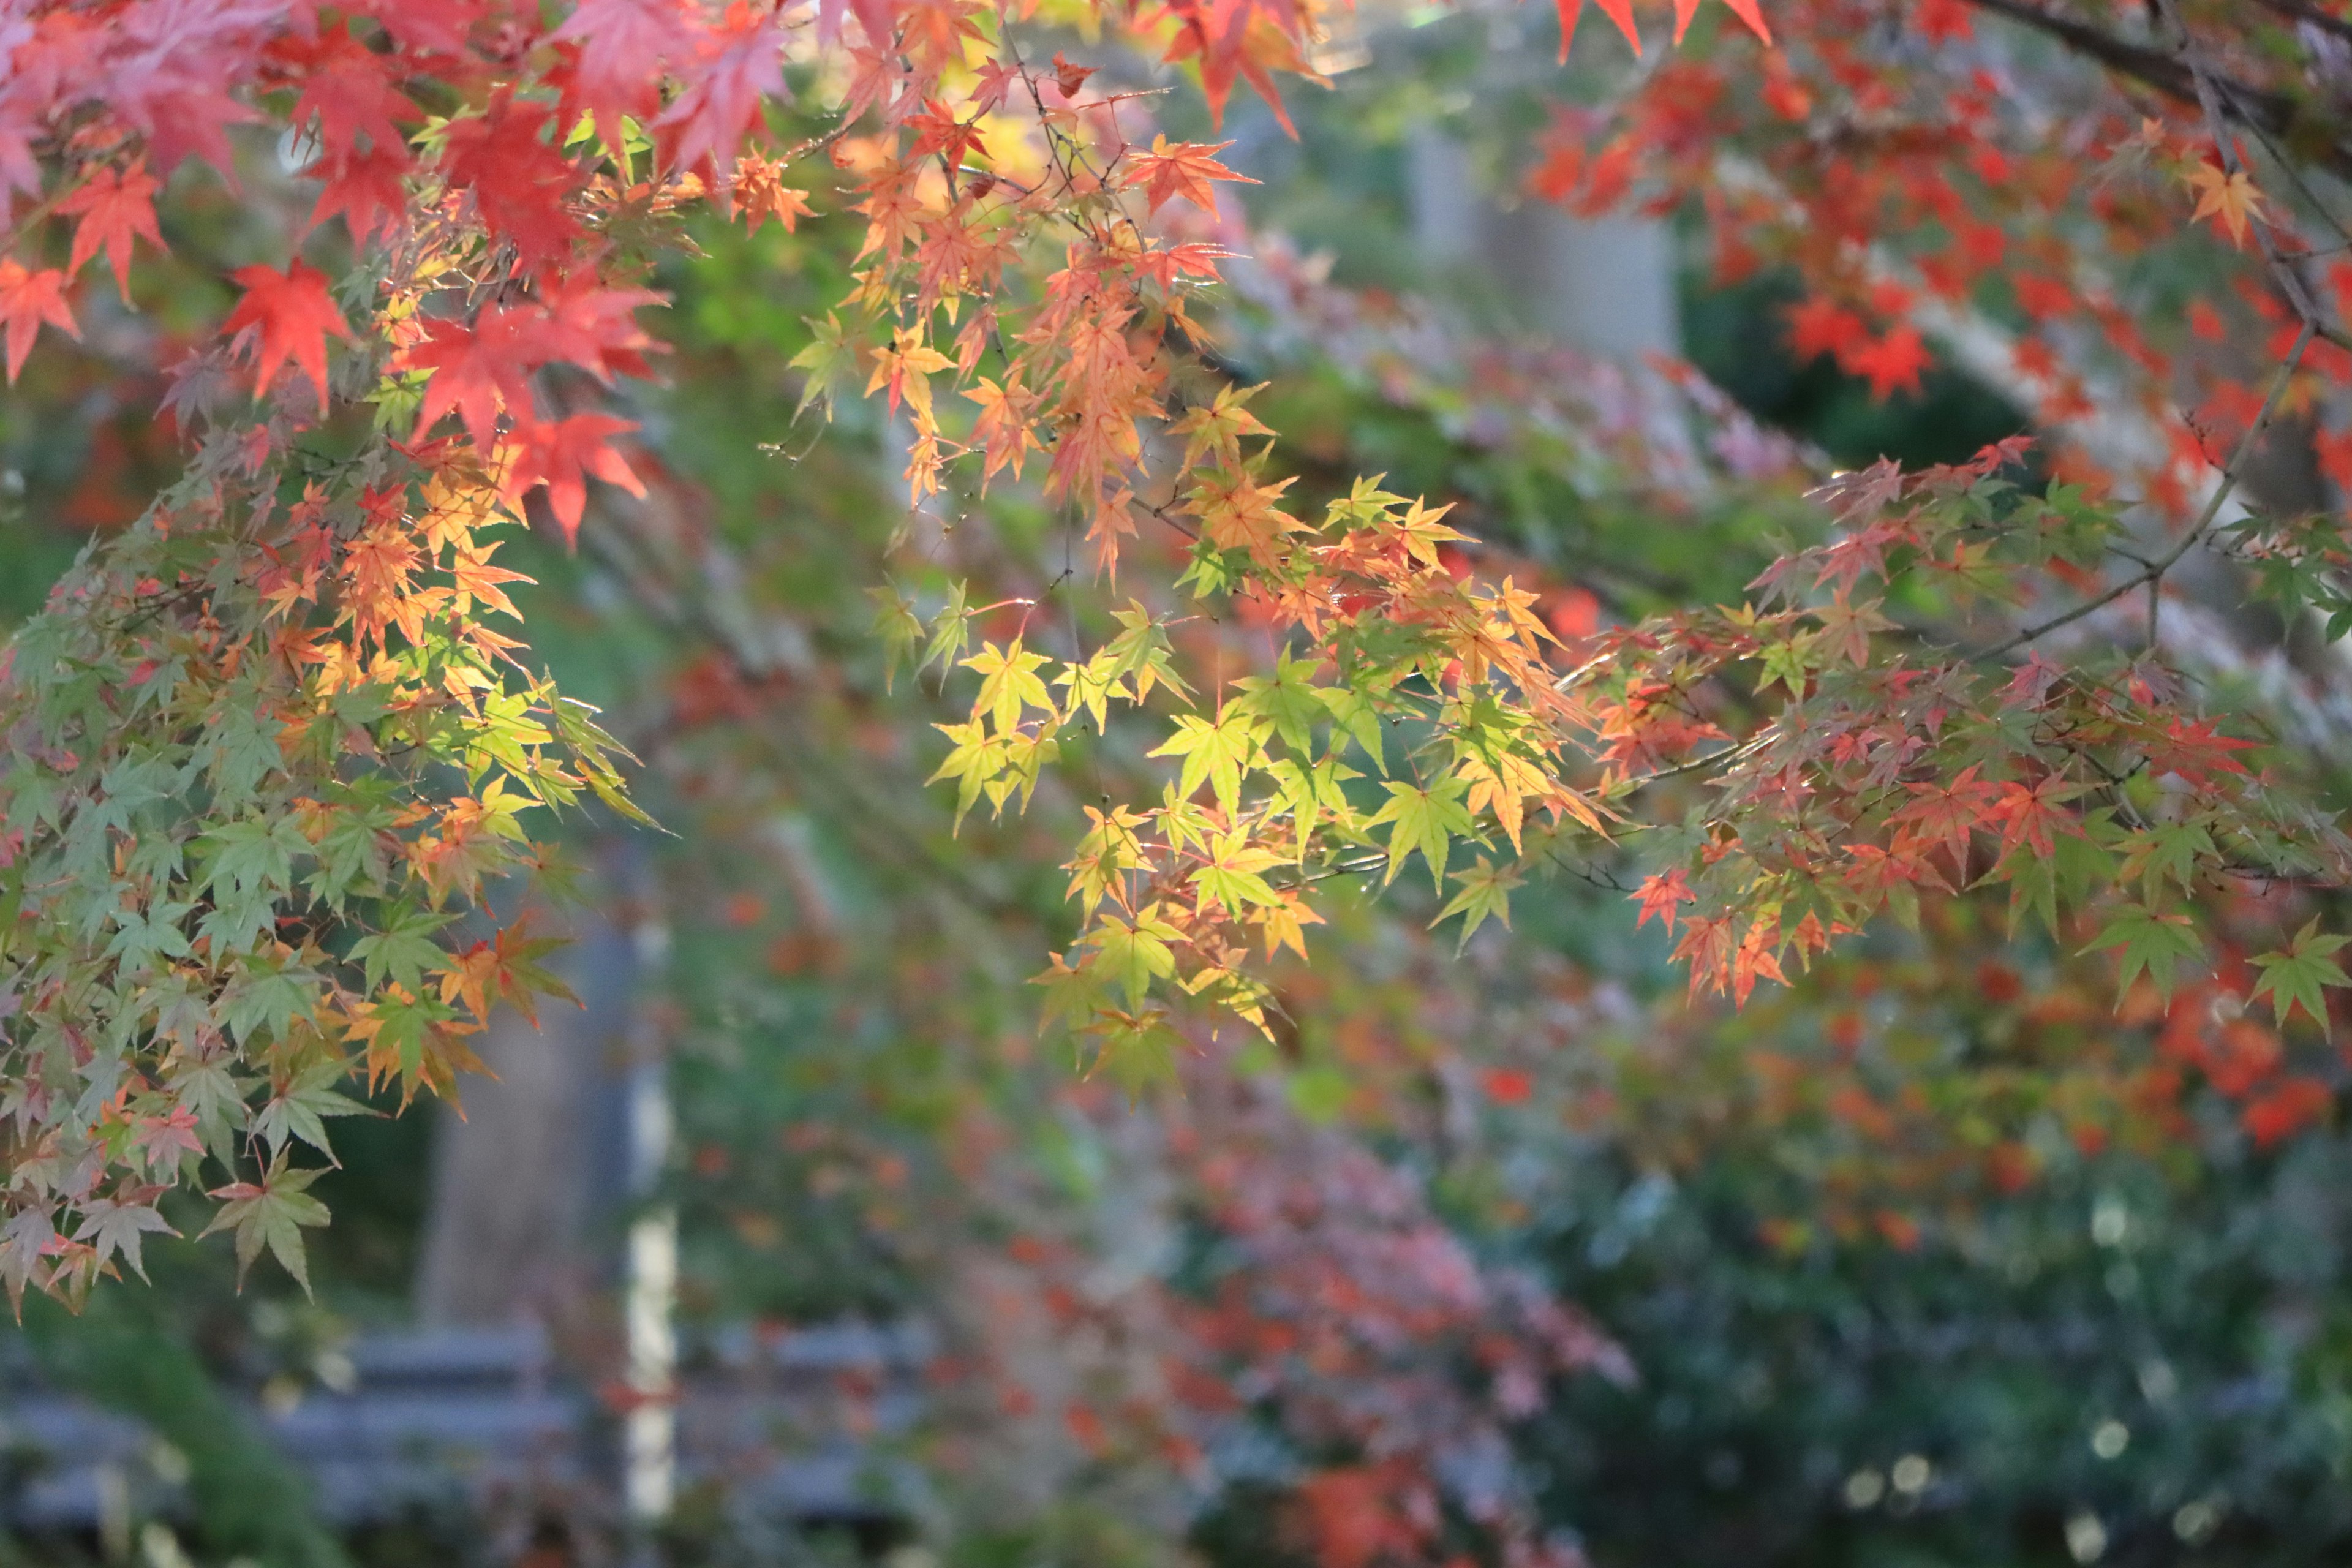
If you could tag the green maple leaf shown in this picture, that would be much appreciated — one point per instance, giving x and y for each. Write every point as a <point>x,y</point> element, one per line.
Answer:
<point>1287,699</point>
<point>296,1112</point>
<point>112,1228</point>
<point>403,949</point>
<point>830,359</point>
<point>1135,954</point>
<point>2152,944</point>
<point>1427,820</point>
<point>2299,977</point>
<point>1137,1050</point>
<point>2167,851</point>
<point>1072,995</point>
<point>1230,878</point>
<point>977,759</point>
<point>272,1213</point>
<point>1353,711</point>
<point>1217,751</point>
<point>900,629</point>
<point>1486,890</point>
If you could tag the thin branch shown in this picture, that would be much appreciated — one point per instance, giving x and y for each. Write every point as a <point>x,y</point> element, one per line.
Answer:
<point>2164,562</point>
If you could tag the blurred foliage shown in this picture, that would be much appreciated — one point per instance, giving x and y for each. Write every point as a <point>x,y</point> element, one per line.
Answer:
<point>2152,1340</point>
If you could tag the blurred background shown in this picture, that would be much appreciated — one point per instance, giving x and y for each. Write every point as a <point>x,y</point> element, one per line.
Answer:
<point>798,1243</point>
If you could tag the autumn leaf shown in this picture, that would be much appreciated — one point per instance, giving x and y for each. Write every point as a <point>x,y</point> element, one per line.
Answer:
<point>1183,168</point>
<point>287,315</point>
<point>27,301</point>
<point>1218,750</point>
<point>115,205</point>
<point>1008,683</point>
<point>2229,197</point>
<point>564,455</point>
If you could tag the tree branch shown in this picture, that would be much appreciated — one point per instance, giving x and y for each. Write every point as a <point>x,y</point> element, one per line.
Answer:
<point>2164,562</point>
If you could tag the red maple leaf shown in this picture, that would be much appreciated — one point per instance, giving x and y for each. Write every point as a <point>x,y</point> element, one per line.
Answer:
<point>1819,326</point>
<point>287,315</point>
<point>27,300</point>
<point>519,181</point>
<point>369,188</point>
<point>723,93</point>
<point>1891,364</point>
<point>114,206</point>
<point>562,454</point>
<point>622,44</point>
<point>2030,817</point>
<point>348,88</point>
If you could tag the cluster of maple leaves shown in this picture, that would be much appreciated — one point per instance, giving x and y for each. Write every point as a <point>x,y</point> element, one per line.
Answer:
<point>266,745</point>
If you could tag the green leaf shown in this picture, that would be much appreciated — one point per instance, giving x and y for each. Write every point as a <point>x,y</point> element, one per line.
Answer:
<point>1425,820</point>
<point>1485,891</point>
<point>1135,954</point>
<point>299,1109</point>
<point>1287,699</point>
<point>2299,975</point>
<point>2152,944</point>
<point>1217,751</point>
<point>402,949</point>
<point>112,1228</point>
<point>274,1214</point>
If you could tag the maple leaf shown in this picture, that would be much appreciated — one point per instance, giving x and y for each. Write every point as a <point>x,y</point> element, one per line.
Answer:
<point>1183,168</point>
<point>1427,820</point>
<point>112,1226</point>
<point>1136,952</point>
<point>273,1212</point>
<point>976,759</point>
<point>369,188</point>
<point>115,205</point>
<point>27,300</point>
<point>1217,751</point>
<point>287,315</point>
<point>1890,364</point>
<point>1008,682</point>
<point>905,368</point>
<point>1486,890</point>
<point>2152,943</point>
<point>562,454</point>
<point>1284,924</point>
<point>1108,849</point>
<point>2299,974</point>
<point>1659,894</point>
<point>1617,11</point>
<point>516,179</point>
<point>1230,880</point>
<point>2028,816</point>
<point>622,43</point>
<point>744,67</point>
<point>163,1141</point>
<point>2229,197</point>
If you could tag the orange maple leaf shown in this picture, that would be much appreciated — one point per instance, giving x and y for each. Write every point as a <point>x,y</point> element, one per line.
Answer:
<point>2230,196</point>
<point>1183,168</point>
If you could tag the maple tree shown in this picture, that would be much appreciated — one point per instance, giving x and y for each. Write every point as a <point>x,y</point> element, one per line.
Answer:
<point>274,745</point>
